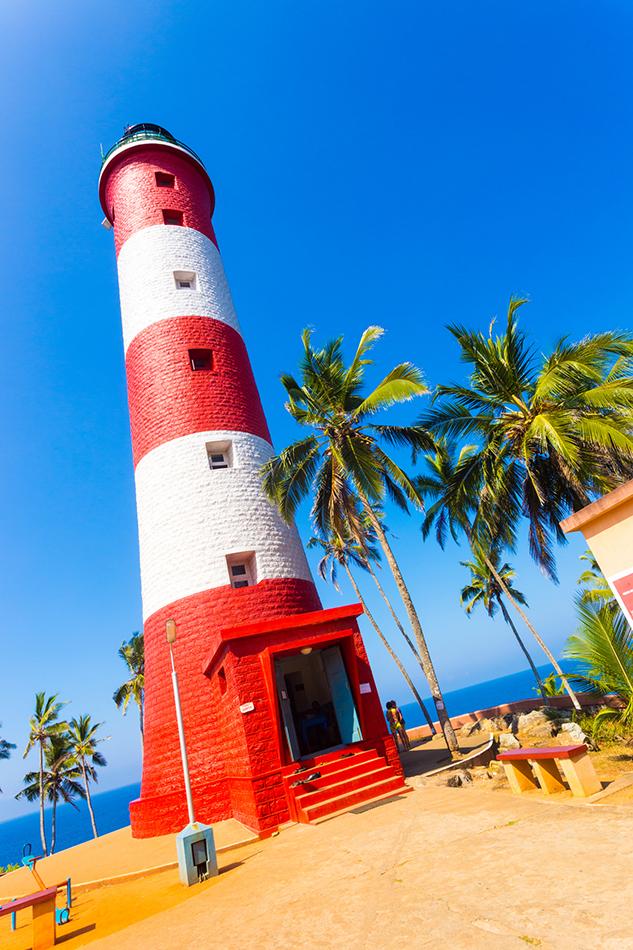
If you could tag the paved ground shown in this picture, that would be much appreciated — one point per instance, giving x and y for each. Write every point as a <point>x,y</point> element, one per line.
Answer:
<point>112,855</point>
<point>450,868</point>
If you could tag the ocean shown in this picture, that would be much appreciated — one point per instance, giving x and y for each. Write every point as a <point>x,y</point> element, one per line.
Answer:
<point>111,808</point>
<point>505,689</point>
<point>73,824</point>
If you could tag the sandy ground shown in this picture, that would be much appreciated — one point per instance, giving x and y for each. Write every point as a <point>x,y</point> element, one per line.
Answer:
<point>113,855</point>
<point>457,868</point>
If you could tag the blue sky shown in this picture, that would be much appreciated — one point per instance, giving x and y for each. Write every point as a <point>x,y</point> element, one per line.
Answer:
<point>407,164</point>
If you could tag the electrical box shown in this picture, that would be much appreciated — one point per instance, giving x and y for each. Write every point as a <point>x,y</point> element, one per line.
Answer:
<point>195,847</point>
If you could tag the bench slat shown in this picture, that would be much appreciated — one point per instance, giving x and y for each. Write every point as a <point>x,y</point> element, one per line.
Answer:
<point>556,752</point>
<point>29,901</point>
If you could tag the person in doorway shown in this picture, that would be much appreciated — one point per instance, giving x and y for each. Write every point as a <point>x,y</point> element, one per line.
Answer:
<point>397,726</point>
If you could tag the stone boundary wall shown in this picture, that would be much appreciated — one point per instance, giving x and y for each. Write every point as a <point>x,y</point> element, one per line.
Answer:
<point>519,706</point>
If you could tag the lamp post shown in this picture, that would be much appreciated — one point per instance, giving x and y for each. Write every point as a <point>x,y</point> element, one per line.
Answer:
<point>194,844</point>
<point>171,630</point>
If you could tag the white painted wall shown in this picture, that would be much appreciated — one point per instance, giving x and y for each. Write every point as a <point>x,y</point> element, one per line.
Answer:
<point>148,292</point>
<point>191,517</point>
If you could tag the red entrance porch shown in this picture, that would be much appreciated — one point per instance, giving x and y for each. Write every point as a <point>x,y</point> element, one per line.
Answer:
<point>267,735</point>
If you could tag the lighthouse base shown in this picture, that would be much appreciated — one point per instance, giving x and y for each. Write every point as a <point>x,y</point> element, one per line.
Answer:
<point>291,697</point>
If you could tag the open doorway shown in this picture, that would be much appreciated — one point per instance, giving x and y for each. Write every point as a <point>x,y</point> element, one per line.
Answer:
<point>316,701</point>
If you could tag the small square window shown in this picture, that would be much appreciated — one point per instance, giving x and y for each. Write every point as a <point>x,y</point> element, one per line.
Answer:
<point>163,180</point>
<point>220,455</point>
<point>201,359</point>
<point>185,279</point>
<point>172,217</point>
<point>241,570</point>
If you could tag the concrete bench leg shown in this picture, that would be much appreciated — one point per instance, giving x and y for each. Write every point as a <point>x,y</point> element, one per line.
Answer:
<point>581,775</point>
<point>520,776</point>
<point>44,925</point>
<point>548,776</point>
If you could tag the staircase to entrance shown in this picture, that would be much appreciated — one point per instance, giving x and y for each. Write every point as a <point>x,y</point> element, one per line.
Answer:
<point>348,777</point>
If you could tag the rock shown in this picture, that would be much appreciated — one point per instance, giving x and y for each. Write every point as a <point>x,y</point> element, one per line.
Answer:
<point>508,741</point>
<point>457,779</point>
<point>570,732</point>
<point>535,724</point>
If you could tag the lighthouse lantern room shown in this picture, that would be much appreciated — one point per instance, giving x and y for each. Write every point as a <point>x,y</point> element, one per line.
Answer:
<point>281,714</point>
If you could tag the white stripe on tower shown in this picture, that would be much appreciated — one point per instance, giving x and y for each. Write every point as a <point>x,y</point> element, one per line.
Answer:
<point>191,517</point>
<point>146,264</point>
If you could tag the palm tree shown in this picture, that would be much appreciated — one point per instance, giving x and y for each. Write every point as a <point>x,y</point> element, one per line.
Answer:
<point>57,782</point>
<point>557,430</point>
<point>345,456</point>
<point>338,552</point>
<point>82,736</point>
<point>132,652</point>
<point>44,726</point>
<point>484,589</point>
<point>603,646</point>
<point>596,589</point>
<point>5,748</point>
<point>459,499</point>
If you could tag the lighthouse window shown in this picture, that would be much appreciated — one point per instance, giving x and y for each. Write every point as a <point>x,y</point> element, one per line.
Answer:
<point>185,279</point>
<point>201,359</point>
<point>220,455</point>
<point>163,180</point>
<point>172,217</point>
<point>241,570</point>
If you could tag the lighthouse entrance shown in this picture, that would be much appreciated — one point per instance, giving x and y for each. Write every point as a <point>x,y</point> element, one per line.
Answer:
<point>316,702</point>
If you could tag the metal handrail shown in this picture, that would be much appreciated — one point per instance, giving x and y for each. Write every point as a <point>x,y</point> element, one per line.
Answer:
<point>146,136</point>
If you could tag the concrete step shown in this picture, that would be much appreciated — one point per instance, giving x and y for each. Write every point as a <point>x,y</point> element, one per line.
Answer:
<point>341,803</point>
<point>320,792</point>
<point>331,765</point>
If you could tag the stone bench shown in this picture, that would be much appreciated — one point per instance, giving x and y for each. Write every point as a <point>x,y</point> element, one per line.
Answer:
<point>527,769</point>
<point>43,904</point>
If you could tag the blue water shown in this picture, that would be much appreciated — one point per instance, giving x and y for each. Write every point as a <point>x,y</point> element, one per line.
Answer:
<point>73,825</point>
<point>505,689</point>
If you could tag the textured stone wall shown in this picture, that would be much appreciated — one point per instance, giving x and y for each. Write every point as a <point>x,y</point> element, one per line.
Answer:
<point>134,201</point>
<point>147,288</point>
<point>167,400</point>
<point>204,515</point>
<point>219,761</point>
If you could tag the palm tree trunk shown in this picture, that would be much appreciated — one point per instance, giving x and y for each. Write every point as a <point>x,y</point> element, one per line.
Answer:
<point>54,824</point>
<point>89,799</point>
<point>524,617</point>
<point>42,825</point>
<point>414,620</point>
<point>404,633</point>
<point>394,656</point>
<point>508,620</point>
<point>142,724</point>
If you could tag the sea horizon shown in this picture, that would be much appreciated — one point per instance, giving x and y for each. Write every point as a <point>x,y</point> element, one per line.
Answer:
<point>111,807</point>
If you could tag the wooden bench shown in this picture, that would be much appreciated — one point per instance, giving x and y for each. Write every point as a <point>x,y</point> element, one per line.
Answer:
<point>527,769</point>
<point>43,904</point>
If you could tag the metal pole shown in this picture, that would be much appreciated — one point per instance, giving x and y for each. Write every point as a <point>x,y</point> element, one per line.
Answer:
<point>181,735</point>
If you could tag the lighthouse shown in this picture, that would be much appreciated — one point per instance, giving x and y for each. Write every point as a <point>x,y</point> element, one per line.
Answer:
<point>268,679</point>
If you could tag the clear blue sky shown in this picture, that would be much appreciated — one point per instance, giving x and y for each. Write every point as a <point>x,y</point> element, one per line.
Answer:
<point>405,164</point>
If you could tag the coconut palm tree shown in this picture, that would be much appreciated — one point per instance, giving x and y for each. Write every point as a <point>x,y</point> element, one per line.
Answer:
<point>340,553</point>
<point>460,499</point>
<point>58,781</point>
<point>82,737</point>
<point>603,648</point>
<point>346,456</point>
<point>5,748</point>
<point>132,652</point>
<point>44,726</point>
<point>555,430</point>
<point>596,589</point>
<point>485,590</point>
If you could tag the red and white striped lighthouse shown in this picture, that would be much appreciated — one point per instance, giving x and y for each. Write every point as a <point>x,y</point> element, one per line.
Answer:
<point>214,553</point>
